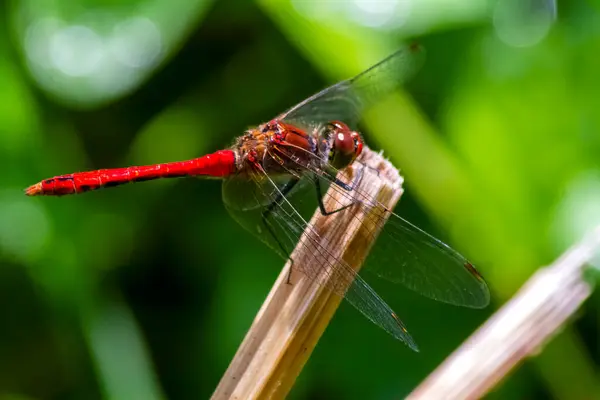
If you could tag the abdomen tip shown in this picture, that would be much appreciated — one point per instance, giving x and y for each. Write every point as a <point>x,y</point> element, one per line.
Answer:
<point>34,190</point>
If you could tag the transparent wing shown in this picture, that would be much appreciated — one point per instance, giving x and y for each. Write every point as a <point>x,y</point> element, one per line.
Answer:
<point>248,196</point>
<point>347,100</point>
<point>403,253</point>
<point>406,254</point>
<point>283,227</point>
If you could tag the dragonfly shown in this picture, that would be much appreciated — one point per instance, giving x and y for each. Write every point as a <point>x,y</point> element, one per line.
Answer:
<point>268,168</point>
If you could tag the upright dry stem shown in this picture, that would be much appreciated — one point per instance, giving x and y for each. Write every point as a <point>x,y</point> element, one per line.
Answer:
<point>515,331</point>
<point>294,316</point>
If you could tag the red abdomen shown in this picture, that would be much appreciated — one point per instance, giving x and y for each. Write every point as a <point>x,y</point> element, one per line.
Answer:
<point>218,165</point>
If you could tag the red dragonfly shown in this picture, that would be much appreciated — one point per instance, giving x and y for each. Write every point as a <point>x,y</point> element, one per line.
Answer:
<point>306,146</point>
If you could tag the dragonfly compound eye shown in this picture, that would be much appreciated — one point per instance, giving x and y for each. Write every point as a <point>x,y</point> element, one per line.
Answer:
<point>347,145</point>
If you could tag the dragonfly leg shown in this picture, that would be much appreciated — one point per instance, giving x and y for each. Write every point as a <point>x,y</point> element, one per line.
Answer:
<point>336,181</point>
<point>265,215</point>
<point>320,197</point>
<point>373,169</point>
<point>349,187</point>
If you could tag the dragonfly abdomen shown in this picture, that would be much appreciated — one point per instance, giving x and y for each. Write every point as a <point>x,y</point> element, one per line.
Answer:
<point>219,164</point>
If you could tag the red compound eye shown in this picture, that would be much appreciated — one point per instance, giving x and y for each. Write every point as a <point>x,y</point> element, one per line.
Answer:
<point>347,145</point>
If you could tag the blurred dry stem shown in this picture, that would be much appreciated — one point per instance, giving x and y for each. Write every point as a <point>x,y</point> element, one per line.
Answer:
<point>294,316</point>
<point>517,330</point>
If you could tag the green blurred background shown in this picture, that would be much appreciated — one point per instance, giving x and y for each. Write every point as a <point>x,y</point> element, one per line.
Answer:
<point>145,292</point>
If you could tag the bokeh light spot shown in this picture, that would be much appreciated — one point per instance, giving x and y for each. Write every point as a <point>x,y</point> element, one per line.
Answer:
<point>523,23</point>
<point>376,14</point>
<point>102,52</point>
<point>37,37</point>
<point>77,51</point>
<point>380,14</point>
<point>136,42</point>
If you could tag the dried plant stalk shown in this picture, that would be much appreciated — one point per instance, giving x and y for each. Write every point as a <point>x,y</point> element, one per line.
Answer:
<point>294,316</point>
<point>515,331</point>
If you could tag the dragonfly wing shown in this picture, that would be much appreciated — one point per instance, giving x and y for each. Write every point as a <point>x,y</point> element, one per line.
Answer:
<point>347,100</point>
<point>368,302</point>
<point>283,228</point>
<point>405,254</point>
<point>246,197</point>
<point>408,255</point>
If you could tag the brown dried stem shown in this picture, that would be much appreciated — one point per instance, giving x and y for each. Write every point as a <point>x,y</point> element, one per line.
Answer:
<point>515,331</point>
<point>294,316</point>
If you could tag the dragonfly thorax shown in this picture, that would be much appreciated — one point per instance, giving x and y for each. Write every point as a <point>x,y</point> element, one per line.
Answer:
<point>280,147</point>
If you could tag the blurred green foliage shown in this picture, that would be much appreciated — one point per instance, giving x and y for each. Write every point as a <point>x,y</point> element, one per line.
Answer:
<point>146,291</point>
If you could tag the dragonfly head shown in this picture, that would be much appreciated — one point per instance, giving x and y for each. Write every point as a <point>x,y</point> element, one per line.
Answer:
<point>344,144</point>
